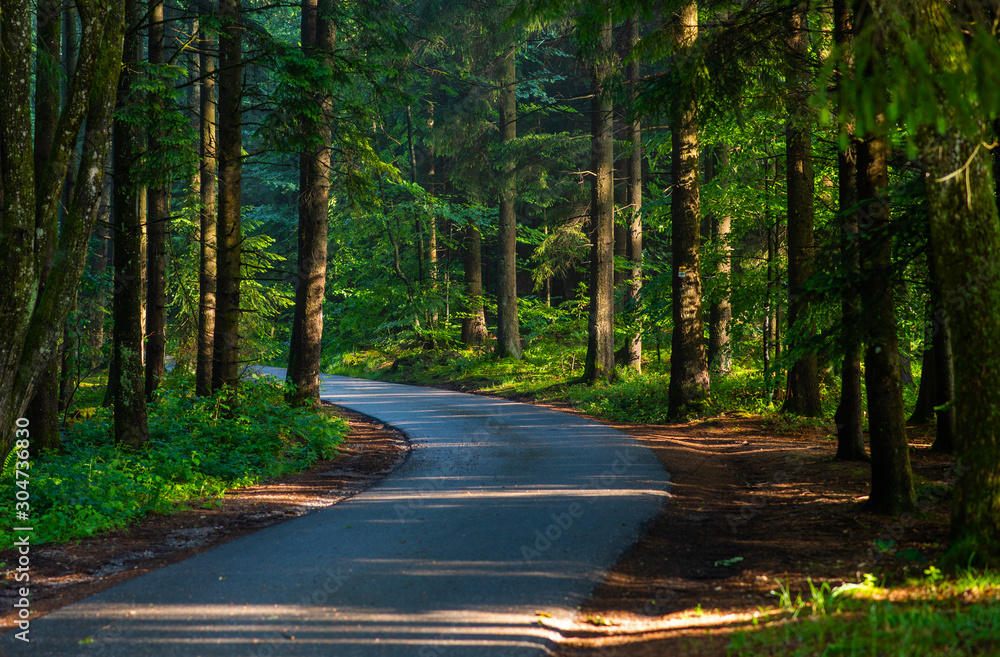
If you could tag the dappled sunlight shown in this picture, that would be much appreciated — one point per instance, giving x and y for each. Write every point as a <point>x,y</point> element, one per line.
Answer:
<point>247,627</point>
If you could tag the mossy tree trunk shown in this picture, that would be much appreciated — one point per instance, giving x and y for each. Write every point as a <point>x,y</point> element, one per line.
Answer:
<point>965,238</point>
<point>43,411</point>
<point>32,317</point>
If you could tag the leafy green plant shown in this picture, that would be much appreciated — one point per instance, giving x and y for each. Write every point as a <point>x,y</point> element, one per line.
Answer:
<point>196,451</point>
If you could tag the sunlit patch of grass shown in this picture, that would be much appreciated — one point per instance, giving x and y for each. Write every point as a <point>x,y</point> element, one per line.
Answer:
<point>932,615</point>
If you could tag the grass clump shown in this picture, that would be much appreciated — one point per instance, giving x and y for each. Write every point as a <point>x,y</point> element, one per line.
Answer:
<point>930,616</point>
<point>197,449</point>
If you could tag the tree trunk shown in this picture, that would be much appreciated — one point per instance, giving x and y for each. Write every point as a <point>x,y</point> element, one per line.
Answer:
<point>720,356</point>
<point>314,208</point>
<point>633,288</point>
<point>508,330</point>
<point>225,357</point>
<point>923,410</point>
<point>95,306</point>
<point>43,411</point>
<point>208,188</point>
<point>849,417</point>
<point>157,214</point>
<point>127,385</point>
<point>688,366</point>
<point>193,66</point>
<point>32,323</point>
<point>965,237</point>
<point>944,390</point>
<point>803,378</point>
<point>473,327</point>
<point>600,362</point>
<point>892,486</point>
<point>418,224</point>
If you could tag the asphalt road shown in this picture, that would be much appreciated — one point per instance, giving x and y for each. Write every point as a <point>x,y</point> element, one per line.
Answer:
<point>502,511</point>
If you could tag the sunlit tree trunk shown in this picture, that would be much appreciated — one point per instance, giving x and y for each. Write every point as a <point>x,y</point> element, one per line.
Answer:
<point>633,238</point>
<point>688,365</point>
<point>314,204</point>
<point>225,357</point>
<point>803,378</point>
<point>720,355</point>
<point>208,190</point>
<point>157,216</point>
<point>474,326</point>
<point>508,329</point>
<point>126,381</point>
<point>600,362</point>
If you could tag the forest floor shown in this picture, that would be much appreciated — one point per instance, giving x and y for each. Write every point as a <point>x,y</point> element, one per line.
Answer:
<point>757,505</point>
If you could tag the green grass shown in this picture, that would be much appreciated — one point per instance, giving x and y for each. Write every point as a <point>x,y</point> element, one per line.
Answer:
<point>929,616</point>
<point>197,450</point>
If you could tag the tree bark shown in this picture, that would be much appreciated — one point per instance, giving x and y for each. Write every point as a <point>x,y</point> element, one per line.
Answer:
<point>474,326</point>
<point>600,361</point>
<point>965,238</point>
<point>923,410</point>
<point>892,486</point>
<point>127,385</point>
<point>95,305</point>
<point>32,321</point>
<point>508,329</point>
<point>418,224</point>
<point>689,382</point>
<point>208,188</point>
<point>849,417</point>
<point>720,355</point>
<point>803,378</point>
<point>314,208</point>
<point>944,390</point>
<point>633,239</point>
<point>157,216</point>
<point>43,411</point>
<point>225,357</point>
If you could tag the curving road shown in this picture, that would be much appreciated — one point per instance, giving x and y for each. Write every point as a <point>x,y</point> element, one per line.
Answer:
<point>502,510</point>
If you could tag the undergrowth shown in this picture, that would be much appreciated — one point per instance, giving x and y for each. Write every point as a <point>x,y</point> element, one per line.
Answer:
<point>197,450</point>
<point>552,371</point>
<point>927,616</point>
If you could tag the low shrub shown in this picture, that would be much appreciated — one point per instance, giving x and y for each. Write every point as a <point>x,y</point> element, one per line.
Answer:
<point>197,449</point>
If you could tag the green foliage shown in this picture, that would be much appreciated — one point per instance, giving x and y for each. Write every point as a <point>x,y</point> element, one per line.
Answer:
<point>929,616</point>
<point>196,451</point>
